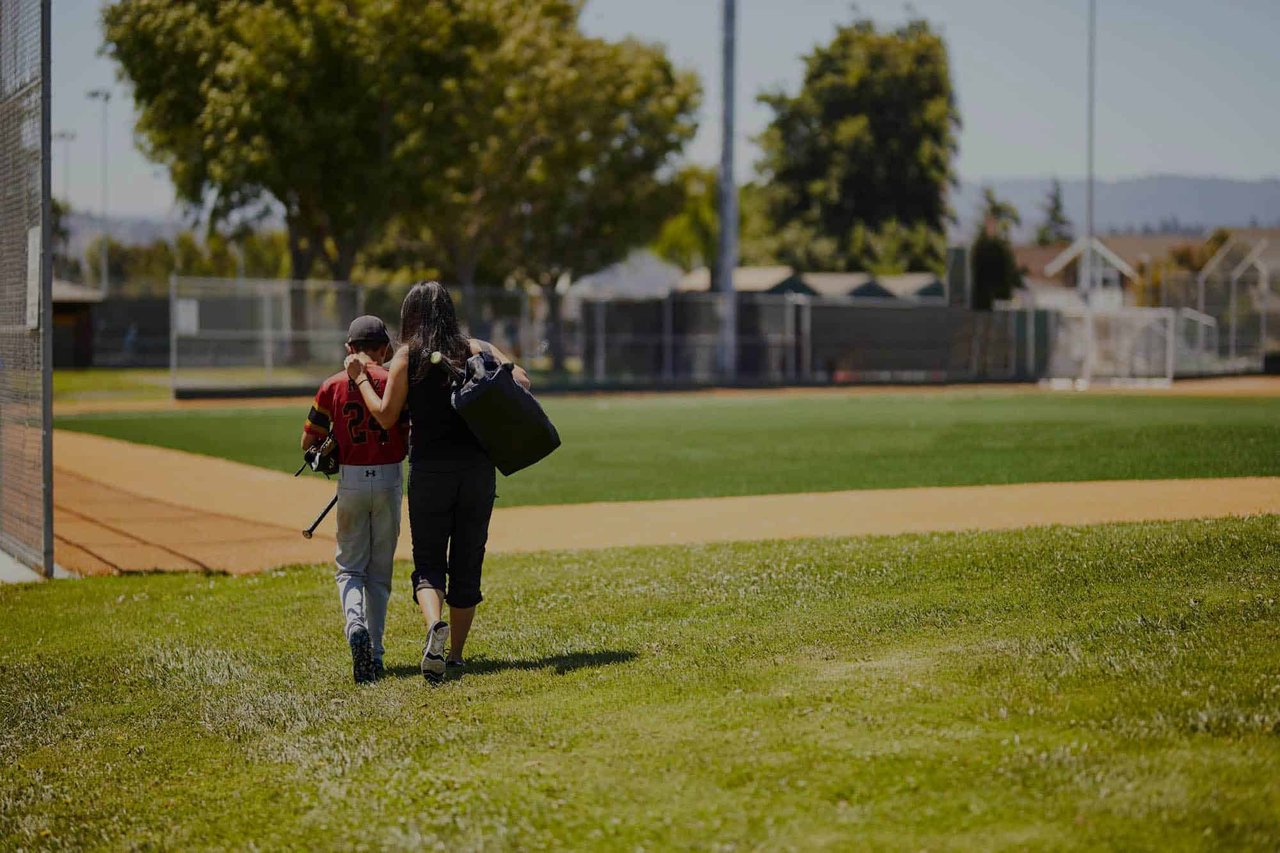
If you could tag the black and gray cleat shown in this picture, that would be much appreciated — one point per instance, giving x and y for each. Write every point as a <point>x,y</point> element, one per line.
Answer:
<point>362,656</point>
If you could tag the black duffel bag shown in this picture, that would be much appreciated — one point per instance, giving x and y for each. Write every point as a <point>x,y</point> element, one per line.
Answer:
<point>504,417</point>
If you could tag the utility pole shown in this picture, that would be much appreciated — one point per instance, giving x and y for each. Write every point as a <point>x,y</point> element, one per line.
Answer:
<point>66,137</point>
<point>728,356</point>
<point>1088,212</point>
<point>103,95</point>
<point>1090,342</point>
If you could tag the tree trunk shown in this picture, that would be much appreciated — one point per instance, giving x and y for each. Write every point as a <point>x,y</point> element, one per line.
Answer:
<point>348,298</point>
<point>472,311</point>
<point>302,257</point>
<point>555,327</point>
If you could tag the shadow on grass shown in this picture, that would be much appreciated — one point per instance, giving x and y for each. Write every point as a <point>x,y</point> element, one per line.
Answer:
<point>560,663</point>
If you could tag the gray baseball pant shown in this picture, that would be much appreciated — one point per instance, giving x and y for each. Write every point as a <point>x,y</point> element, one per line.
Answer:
<point>368,529</point>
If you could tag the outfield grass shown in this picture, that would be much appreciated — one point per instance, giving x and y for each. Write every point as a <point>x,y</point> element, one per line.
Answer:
<point>75,385</point>
<point>1114,687</point>
<point>695,446</point>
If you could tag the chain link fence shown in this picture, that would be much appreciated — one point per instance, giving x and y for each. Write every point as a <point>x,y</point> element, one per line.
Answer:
<point>280,337</point>
<point>1235,291</point>
<point>25,436</point>
<point>231,335</point>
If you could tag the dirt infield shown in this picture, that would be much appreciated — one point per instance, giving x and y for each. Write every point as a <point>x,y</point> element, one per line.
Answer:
<point>124,507</point>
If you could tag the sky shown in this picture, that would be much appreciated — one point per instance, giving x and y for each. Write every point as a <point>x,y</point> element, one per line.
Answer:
<point>1184,86</point>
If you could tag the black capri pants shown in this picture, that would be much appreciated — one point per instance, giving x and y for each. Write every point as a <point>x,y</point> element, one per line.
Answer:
<point>449,513</point>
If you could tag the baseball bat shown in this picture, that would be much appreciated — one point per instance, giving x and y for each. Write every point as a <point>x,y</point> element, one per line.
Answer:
<point>306,534</point>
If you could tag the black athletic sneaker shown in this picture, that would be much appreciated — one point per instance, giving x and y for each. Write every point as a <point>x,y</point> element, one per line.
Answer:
<point>433,652</point>
<point>362,656</point>
<point>455,665</point>
<point>379,671</point>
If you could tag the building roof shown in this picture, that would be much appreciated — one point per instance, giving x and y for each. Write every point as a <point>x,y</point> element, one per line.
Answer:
<point>1077,249</point>
<point>745,279</point>
<point>1032,259</point>
<point>1134,250</point>
<point>910,285</point>
<point>835,283</point>
<point>641,275</point>
<point>66,293</point>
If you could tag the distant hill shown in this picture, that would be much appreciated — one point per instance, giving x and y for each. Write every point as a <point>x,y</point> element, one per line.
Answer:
<point>130,230</point>
<point>1194,204</point>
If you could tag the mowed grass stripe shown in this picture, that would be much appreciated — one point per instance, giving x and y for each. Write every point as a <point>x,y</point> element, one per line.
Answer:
<point>699,446</point>
<point>1061,688</point>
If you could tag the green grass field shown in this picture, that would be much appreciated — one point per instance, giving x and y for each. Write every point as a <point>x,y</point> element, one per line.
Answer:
<point>693,446</point>
<point>1112,687</point>
<point>71,385</point>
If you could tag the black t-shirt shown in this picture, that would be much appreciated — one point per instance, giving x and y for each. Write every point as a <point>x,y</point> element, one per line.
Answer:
<point>439,439</point>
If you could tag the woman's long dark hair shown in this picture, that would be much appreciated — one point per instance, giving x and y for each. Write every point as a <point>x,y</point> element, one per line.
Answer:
<point>429,324</point>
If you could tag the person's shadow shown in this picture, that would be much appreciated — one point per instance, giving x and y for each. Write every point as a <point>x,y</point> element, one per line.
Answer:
<point>560,663</point>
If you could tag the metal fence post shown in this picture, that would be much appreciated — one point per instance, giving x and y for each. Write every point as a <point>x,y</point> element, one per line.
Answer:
<point>173,334</point>
<point>789,335</point>
<point>1031,342</point>
<point>526,323</point>
<point>1231,310</point>
<point>600,340</point>
<point>806,333</point>
<point>1170,353</point>
<point>268,345</point>
<point>1013,343</point>
<point>1264,298</point>
<point>668,338</point>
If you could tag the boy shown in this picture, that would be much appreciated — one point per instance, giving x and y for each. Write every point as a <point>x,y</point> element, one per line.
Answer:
<point>369,494</point>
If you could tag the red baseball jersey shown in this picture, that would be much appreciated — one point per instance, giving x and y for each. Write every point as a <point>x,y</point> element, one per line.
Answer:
<point>339,408</point>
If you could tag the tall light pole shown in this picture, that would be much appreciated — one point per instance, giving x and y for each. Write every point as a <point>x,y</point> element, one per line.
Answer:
<point>103,95</point>
<point>1088,191</point>
<point>66,137</point>
<point>728,204</point>
<point>1087,368</point>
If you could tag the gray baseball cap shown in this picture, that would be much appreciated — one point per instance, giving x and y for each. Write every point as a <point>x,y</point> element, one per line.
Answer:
<point>368,330</point>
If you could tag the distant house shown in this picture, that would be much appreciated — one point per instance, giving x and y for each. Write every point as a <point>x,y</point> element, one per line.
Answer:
<point>642,275</point>
<point>1053,275</point>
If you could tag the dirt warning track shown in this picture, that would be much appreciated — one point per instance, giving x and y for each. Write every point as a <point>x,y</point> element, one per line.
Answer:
<point>122,507</point>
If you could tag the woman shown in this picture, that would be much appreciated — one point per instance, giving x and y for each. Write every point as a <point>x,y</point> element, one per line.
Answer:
<point>451,479</point>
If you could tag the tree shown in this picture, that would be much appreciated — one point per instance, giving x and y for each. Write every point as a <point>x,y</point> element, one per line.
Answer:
<point>502,126</point>
<point>295,103</point>
<point>1056,227</point>
<point>600,190</point>
<point>691,238</point>
<point>995,269</point>
<point>868,141</point>
<point>64,266</point>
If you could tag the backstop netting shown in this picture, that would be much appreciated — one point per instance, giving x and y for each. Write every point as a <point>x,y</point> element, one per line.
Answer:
<point>25,411</point>
<point>238,336</point>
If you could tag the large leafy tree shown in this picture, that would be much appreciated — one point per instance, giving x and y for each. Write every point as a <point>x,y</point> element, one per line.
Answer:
<point>296,103</point>
<point>602,188</point>
<point>862,155</point>
<point>1056,228</point>
<point>557,140</point>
